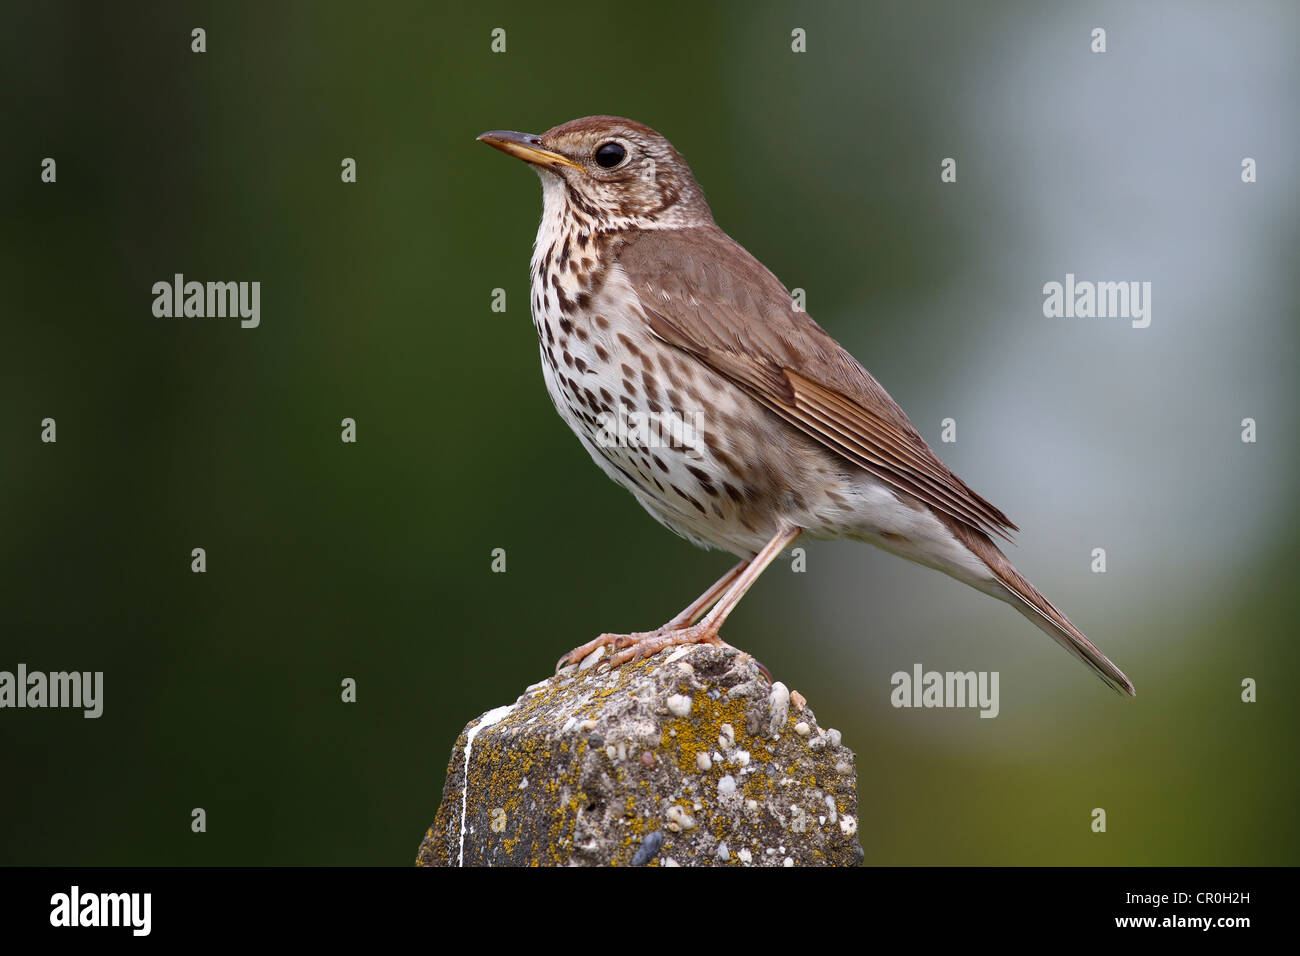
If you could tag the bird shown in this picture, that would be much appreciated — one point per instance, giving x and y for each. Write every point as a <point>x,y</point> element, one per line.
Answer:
<point>697,382</point>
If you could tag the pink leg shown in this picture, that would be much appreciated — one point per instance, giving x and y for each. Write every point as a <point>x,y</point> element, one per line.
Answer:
<point>688,616</point>
<point>645,644</point>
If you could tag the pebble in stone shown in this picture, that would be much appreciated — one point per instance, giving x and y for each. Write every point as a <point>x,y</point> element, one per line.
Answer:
<point>679,705</point>
<point>678,654</point>
<point>778,704</point>
<point>649,848</point>
<point>678,815</point>
<point>834,737</point>
<point>703,762</point>
<point>799,700</point>
<point>723,853</point>
<point>748,689</point>
<point>745,856</point>
<point>726,785</point>
<point>802,729</point>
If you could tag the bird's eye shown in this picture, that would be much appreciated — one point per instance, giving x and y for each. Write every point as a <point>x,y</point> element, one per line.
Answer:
<point>610,155</point>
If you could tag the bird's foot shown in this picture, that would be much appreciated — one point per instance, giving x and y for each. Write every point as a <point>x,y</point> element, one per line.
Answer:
<point>634,640</point>
<point>639,644</point>
<point>633,647</point>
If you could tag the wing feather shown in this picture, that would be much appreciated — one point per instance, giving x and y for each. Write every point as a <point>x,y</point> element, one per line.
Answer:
<point>703,293</point>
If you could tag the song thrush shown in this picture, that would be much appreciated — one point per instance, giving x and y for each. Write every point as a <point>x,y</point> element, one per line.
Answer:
<point>648,314</point>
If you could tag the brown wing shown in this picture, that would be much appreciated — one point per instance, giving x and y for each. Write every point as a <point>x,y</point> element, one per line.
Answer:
<point>703,293</point>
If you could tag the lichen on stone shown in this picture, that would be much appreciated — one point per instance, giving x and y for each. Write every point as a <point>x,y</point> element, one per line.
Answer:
<point>610,761</point>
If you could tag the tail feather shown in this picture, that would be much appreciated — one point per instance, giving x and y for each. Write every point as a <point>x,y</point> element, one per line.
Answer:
<point>1012,587</point>
<point>1042,612</point>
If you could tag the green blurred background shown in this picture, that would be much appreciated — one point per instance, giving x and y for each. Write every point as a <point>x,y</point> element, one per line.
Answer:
<point>372,561</point>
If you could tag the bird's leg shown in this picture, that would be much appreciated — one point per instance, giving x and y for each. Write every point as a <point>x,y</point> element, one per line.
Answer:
<point>688,616</point>
<point>706,600</point>
<point>636,646</point>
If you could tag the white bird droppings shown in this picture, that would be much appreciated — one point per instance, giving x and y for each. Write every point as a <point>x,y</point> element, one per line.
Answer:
<point>494,716</point>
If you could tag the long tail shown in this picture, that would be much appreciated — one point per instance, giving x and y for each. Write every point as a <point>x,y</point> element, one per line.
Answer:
<point>1012,587</point>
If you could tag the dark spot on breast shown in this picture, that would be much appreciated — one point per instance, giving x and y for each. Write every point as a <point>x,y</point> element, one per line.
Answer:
<point>732,491</point>
<point>568,359</point>
<point>629,344</point>
<point>726,461</point>
<point>704,477</point>
<point>659,463</point>
<point>699,507</point>
<point>604,393</point>
<point>602,353</point>
<point>602,322</point>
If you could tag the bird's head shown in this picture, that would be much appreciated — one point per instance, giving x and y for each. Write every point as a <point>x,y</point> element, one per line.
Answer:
<point>611,171</point>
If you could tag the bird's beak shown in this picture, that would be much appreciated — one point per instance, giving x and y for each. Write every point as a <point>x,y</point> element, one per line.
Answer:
<point>527,147</point>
